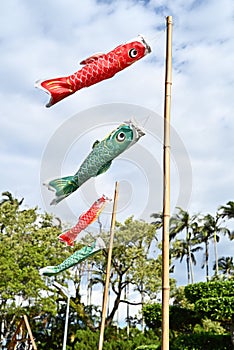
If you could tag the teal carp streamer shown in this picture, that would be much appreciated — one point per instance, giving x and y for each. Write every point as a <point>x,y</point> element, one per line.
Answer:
<point>74,259</point>
<point>98,161</point>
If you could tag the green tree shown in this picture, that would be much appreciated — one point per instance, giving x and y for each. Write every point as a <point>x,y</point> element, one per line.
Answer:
<point>200,317</point>
<point>131,263</point>
<point>214,300</point>
<point>183,222</point>
<point>28,241</point>
<point>213,227</point>
<point>181,250</point>
<point>204,236</point>
<point>226,266</point>
<point>227,211</point>
<point>8,197</point>
<point>158,220</point>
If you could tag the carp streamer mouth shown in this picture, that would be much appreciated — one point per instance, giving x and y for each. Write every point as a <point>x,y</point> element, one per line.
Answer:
<point>141,40</point>
<point>137,130</point>
<point>147,47</point>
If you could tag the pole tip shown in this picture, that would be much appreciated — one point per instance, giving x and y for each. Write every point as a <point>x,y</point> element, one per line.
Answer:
<point>169,19</point>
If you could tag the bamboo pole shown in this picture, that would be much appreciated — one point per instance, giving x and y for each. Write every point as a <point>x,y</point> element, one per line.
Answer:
<point>30,332</point>
<point>106,289</point>
<point>166,190</point>
<point>20,331</point>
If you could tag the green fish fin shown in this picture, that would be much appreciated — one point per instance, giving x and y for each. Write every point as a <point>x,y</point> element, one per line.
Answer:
<point>104,168</point>
<point>63,187</point>
<point>95,144</point>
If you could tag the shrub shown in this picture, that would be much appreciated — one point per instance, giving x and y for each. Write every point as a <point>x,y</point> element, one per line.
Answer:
<point>216,308</point>
<point>148,347</point>
<point>214,289</point>
<point>181,319</point>
<point>202,341</point>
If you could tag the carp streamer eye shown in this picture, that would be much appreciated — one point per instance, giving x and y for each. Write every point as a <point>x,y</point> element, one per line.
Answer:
<point>133,53</point>
<point>120,137</point>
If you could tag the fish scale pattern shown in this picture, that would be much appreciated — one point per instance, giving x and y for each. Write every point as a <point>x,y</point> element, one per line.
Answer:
<point>85,219</point>
<point>96,68</point>
<point>103,153</point>
<point>73,260</point>
<point>98,161</point>
<point>104,68</point>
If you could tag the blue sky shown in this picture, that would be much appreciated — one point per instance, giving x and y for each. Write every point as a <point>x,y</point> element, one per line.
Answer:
<point>47,39</point>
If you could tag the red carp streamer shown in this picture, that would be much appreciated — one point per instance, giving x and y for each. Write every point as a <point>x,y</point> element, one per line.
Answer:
<point>84,220</point>
<point>96,68</point>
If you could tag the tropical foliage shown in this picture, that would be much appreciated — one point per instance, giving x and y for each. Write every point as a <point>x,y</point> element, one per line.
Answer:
<point>189,234</point>
<point>207,316</point>
<point>28,241</point>
<point>214,300</point>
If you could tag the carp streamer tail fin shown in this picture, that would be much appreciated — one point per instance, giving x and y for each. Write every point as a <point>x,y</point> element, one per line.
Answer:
<point>48,271</point>
<point>63,187</point>
<point>57,88</point>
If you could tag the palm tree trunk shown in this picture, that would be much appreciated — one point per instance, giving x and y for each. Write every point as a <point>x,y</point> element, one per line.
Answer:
<point>216,255</point>
<point>189,256</point>
<point>190,264</point>
<point>206,261</point>
<point>188,269</point>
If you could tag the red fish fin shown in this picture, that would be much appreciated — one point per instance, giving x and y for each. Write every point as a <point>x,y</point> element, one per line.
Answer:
<point>92,58</point>
<point>64,237</point>
<point>57,88</point>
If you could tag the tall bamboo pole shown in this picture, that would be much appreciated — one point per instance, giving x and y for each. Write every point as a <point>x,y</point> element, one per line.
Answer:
<point>30,332</point>
<point>106,289</point>
<point>166,190</point>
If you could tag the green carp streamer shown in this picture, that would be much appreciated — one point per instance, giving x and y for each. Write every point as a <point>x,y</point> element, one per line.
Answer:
<point>74,259</point>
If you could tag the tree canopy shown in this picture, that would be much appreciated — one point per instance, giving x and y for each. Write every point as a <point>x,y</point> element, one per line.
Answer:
<point>28,242</point>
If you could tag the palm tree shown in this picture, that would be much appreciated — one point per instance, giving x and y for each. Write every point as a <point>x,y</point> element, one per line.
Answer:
<point>15,203</point>
<point>231,235</point>
<point>212,225</point>
<point>180,249</point>
<point>9,198</point>
<point>226,265</point>
<point>158,222</point>
<point>183,222</point>
<point>204,236</point>
<point>227,211</point>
